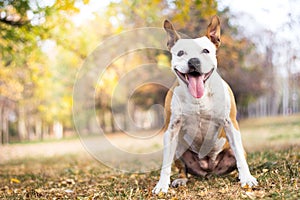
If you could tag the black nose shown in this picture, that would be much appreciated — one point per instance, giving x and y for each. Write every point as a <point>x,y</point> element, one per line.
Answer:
<point>194,64</point>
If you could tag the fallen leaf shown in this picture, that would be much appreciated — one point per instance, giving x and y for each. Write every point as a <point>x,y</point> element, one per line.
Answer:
<point>39,190</point>
<point>69,191</point>
<point>260,194</point>
<point>251,195</point>
<point>223,190</point>
<point>203,193</point>
<point>265,170</point>
<point>161,195</point>
<point>14,180</point>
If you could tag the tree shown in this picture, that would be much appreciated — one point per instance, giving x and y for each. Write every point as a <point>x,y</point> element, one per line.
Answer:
<point>191,18</point>
<point>42,49</point>
<point>24,27</point>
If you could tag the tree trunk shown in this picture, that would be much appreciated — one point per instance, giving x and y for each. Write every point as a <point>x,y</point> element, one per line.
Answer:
<point>102,120</point>
<point>1,130</point>
<point>45,130</point>
<point>58,130</point>
<point>38,128</point>
<point>112,122</point>
<point>5,130</point>
<point>21,123</point>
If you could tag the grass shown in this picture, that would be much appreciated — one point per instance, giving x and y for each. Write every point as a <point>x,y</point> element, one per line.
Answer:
<point>270,132</point>
<point>78,176</point>
<point>71,177</point>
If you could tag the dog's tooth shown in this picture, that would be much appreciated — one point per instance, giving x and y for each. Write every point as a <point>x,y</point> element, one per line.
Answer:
<point>186,77</point>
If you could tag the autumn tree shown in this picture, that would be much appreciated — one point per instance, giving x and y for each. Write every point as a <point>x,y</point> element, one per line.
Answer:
<point>191,19</point>
<point>42,49</point>
<point>24,68</point>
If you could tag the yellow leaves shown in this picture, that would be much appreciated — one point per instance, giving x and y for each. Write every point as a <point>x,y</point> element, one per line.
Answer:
<point>66,5</point>
<point>203,192</point>
<point>14,180</point>
<point>161,195</point>
<point>224,189</point>
<point>120,67</point>
<point>265,170</point>
<point>110,79</point>
<point>162,61</point>
<point>10,86</point>
<point>67,102</point>
<point>295,183</point>
<point>39,191</point>
<point>7,190</point>
<point>186,10</point>
<point>86,1</point>
<point>253,194</point>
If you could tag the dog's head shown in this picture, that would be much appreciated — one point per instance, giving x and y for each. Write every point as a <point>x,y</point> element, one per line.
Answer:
<point>194,60</point>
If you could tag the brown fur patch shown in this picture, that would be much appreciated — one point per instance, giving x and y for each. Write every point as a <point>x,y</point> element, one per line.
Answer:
<point>224,164</point>
<point>168,106</point>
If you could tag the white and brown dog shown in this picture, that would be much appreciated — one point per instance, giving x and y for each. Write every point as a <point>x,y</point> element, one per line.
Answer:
<point>201,133</point>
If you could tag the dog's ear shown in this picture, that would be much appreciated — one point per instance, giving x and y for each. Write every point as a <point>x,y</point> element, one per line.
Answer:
<point>214,31</point>
<point>172,34</point>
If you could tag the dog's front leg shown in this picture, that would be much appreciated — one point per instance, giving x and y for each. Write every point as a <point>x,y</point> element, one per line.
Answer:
<point>235,141</point>
<point>170,144</point>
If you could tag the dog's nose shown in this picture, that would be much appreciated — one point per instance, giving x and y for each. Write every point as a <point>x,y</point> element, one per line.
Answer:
<point>195,64</point>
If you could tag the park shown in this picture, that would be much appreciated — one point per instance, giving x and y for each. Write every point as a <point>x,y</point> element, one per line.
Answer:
<point>83,87</point>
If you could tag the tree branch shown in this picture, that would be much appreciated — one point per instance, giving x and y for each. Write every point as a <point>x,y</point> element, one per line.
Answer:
<point>18,23</point>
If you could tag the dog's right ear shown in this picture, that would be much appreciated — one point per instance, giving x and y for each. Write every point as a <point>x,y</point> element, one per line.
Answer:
<point>172,34</point>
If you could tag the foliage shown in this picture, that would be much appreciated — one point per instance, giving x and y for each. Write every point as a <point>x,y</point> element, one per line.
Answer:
<point>42,49</point>
<point>191,19</point>
<point>26,74</point>
<point>24,23</point>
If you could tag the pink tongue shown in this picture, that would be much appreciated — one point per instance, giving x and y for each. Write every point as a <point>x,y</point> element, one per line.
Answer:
<point>196,86</point>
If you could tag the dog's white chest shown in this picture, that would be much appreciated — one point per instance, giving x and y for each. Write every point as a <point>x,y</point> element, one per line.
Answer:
<point>196,128</point>
<point>201,122</point>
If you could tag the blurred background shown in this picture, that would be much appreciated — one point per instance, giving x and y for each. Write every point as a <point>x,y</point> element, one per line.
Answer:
<point>44,43</point>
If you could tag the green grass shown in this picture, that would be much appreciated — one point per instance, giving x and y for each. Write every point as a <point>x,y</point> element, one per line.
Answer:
<point>271,132</point>
<point>272,123</point>
<point>81,177</point>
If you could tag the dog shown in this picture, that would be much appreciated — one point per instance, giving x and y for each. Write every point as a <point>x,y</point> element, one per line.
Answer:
<point>201,134</point>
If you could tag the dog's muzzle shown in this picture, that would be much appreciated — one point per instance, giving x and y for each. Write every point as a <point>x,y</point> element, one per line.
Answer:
<point>194,64</point>
<point>195,80</point>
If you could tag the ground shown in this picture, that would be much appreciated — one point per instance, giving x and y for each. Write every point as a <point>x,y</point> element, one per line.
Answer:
<point>64,170</point>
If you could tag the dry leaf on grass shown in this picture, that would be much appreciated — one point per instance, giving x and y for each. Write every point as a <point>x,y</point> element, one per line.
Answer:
<point>14,180</point>
<point>253,194</point>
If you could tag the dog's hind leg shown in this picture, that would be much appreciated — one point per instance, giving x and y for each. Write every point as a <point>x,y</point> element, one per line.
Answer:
<point>183,177</point>
<point>194,165</point>
<point>226,162</point>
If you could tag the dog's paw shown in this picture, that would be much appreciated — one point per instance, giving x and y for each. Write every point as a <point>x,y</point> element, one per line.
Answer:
<point>179,182</point>
<point>161,186</point>
<point>248,180</point>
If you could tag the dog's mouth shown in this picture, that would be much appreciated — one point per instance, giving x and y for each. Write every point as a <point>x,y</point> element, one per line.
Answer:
<point>195,81</point>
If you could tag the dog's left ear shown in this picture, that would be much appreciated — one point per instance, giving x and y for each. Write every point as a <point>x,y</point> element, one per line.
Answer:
<point>172,34</point>
<point>214,31</point>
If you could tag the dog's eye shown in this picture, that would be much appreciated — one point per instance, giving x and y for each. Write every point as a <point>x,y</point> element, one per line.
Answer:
<point>180,53</point>
<point>205,51</point>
